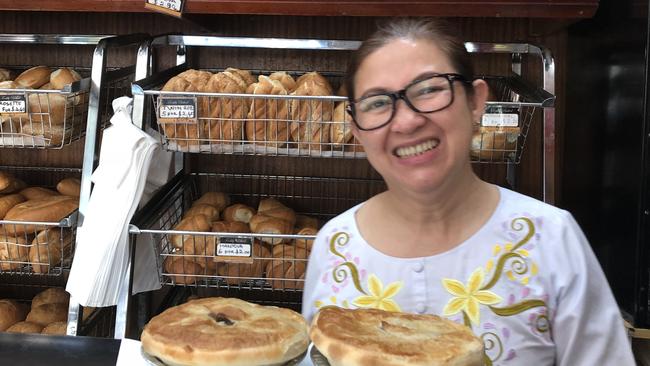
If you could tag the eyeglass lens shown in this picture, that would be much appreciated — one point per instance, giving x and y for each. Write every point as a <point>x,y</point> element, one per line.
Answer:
<point>425,96</point>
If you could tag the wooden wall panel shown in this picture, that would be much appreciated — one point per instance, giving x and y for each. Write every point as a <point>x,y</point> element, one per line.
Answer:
<point>542,32</point>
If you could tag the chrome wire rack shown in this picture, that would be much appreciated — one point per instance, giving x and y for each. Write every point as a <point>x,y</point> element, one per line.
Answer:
<point>272,262</point>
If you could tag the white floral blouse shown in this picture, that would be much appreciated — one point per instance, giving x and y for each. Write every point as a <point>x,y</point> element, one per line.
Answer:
<point>527,283</point>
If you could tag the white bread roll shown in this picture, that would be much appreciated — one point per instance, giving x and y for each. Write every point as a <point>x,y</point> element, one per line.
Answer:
<point>63,76</point>
<point>34,78</point>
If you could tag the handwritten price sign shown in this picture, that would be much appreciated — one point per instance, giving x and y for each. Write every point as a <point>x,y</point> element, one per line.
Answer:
<point>169,7</point>
<point>13,104</point>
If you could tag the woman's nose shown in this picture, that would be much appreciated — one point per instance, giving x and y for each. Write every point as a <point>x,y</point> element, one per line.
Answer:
<point>405,119</point>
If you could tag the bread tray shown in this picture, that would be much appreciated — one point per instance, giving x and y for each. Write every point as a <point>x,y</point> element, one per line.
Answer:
<point>155,361</point>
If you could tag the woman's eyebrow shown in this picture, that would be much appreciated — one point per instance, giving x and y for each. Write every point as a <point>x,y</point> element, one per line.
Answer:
<point>374,91</point>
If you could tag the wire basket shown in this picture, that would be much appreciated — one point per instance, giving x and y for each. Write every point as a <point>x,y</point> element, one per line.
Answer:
<point>244,262</point>
<point>38,248</point>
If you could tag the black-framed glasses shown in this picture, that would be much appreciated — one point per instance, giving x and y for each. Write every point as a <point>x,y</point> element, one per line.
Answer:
<point>432,93</point>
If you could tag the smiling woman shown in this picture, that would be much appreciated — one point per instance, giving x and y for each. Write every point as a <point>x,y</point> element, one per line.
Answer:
<point>518,272</point>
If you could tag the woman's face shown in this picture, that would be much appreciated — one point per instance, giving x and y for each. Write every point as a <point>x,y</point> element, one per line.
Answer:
<point>444,135</point>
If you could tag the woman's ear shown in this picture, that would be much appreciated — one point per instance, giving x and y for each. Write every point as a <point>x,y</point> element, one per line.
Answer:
<point>478,99</point>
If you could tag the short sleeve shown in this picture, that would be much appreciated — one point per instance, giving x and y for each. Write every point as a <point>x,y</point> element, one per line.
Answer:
<point>587,326</point>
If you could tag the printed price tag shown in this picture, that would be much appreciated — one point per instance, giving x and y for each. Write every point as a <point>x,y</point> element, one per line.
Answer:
<point>177,108</point>
<point>15,103</point>
<point>169,7</point>
<point>235,249</point>
<point>500,120</point>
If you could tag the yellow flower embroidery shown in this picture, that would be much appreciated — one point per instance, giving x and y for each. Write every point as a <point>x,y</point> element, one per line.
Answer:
<point>379,298</point>
<point>468,298</point>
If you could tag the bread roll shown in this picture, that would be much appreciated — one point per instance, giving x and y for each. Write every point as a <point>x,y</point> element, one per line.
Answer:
<point>48,110</point>
<point>230,227</point>
<point>51,209</point>
<point>63,76</point>
<point>269,204</point>
<point>14,252</point>
<point>341,127</point>
<point>219,200</point>
<point>244,74</point>
<point>183,270</point>
<point>288,264</point>
<point>9,84</point>
<point>6,180</point>
<point>56,328</point>
<point>274,208</point>
<point>307,116</point>
<point>47,86</point>
<point>268,119</point>
<point>5,74</point>
<point>495,143</point>
<point>34,78</point>
<point>261,255</point>
<point>185,132</point>
<point>69,187</point>
<point>315,77</point>
<point>209,211</point>
<point>239,212</point>
<point>226,114</point>
<point>196,222</point>
<point>52,295</point>
<point>53,135</point>
<point>198,78</point>
<point>303,221</point>
<point>48,248</point>
<point>48,313</point>
<point>37,193</point>
<point>25,327</point>
<point>285,79</point>
<point>262,224</point>
<point>305,243</point>
<point>11,312</point>
<point>9,201</point>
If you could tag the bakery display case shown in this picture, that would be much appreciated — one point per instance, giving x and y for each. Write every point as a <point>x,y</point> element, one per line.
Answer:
<point>50,131</point>
<point>248,133</point>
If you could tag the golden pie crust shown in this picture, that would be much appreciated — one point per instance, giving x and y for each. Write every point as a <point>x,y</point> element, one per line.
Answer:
<point>381,338</point>
<point>225,331</point>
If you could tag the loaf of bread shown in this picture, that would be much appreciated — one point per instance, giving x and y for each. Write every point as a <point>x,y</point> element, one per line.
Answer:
<point>209,211</point>
<point>56,328</point>
<point>11,312</point>
<point>37,193</point>
<point>198,78</point>
<point>262,224</point>
<point>183,131</point>
<point>494,143</point>
<point>225,115</point>
<point>183,270</point>
<point>234,273</point>
<point>48,110</point>
<point>63,76</point>
<point>287,266</point>
<point>316,78</point>
<point>5,74</point>
<point>13,251</point>
<point>10,184</point>
<point>48,313</point>
<point>230,227</point>
<point>34,78</point>
<point>6,179</point>
<point>274,208</point>
<point>196,222</point>
<point>287,80</point>
<point>50,209</point>
<point>303,221</point>
<point>305,243</point>
<point>69,187</point>
<point>8,202</point>
<point>48,248</point>
<point>52,295</point>
<point>268,119</point>
<point>308,116</point>
<point>25,327</point>
<point>52,135</point>
<point>238,212</point>
<point>244,74</point>
<point>341,127</point>
<point>219,200</point>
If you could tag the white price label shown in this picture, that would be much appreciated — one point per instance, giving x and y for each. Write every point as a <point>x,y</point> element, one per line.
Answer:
<point>177,108</point>
<point>174,5</point>
<point>500,120</point>
<point>234,246</point>
<point>13,104</point>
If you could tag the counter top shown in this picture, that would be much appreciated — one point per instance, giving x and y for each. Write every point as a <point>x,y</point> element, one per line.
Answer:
<point>570,9</point>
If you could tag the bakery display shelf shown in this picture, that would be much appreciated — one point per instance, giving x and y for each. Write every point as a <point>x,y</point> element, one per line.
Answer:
<point>47,118</point>
<point>311,126</point>
<point>276,263</point>
<point>97,322</point>
<point>22,250</point>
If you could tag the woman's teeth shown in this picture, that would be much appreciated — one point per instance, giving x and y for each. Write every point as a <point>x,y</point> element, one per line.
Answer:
<point>418,149</point>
